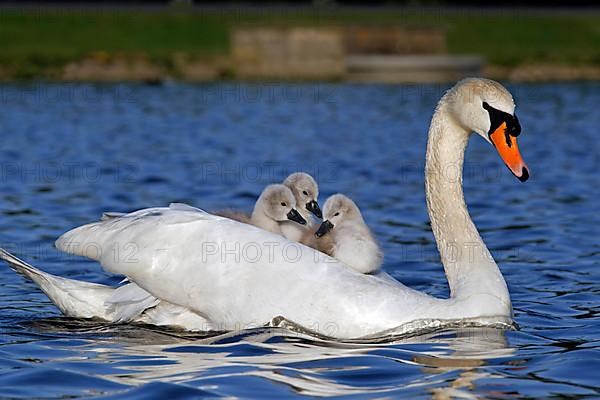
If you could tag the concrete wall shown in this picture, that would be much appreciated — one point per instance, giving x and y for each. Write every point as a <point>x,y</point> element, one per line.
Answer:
<point>394,40</point>
<point>288,53</point>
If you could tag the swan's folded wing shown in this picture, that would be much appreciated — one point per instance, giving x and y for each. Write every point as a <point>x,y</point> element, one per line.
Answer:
<point>185,207</point>
<point>234,215</point>
<point>134,240</point>
<point>173,315</point>
<point>128,302</point>
<point>236,275</point>
<point>175,254</point>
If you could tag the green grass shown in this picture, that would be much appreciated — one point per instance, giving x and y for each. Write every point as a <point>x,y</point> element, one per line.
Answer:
<point>30,42</point>
<point>571,40</point>
<point>505,37</point>
<point>51,42</point>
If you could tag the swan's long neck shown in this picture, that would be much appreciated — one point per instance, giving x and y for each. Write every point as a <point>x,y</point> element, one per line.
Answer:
<point>468,264</point>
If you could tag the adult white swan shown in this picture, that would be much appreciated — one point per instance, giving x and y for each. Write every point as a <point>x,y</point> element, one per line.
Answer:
<point>235,275</point>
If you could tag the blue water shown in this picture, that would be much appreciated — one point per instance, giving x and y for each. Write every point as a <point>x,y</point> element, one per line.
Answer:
<point>70,152</point>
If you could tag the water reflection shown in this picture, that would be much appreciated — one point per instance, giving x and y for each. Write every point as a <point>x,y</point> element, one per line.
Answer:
<point>446,364</point>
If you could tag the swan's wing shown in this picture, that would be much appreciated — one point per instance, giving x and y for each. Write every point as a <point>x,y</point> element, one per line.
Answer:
<point>234,215</point>
<point>185,207</point>
<point>240,276</point>
<point>168,314</point>
<point>132,241</point>
<point>128,302</point>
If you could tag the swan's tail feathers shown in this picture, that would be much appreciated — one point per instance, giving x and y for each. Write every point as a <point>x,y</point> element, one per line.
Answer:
<point>22,268</point>
<point>74,298</point>
<point>126,303</point>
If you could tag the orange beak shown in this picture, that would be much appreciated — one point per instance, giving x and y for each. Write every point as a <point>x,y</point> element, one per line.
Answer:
<point>506,145</point>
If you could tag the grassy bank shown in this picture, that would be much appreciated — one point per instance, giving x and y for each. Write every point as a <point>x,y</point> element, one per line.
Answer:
<point>36,39</point>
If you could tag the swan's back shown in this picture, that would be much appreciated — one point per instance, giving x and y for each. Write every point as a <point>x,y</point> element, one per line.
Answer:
<point>238,275</point>
<point>235,215</point>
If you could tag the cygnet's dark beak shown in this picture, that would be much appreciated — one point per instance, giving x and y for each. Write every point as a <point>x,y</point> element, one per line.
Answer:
<point>314,208</point>
<point>295,216</point>
<point>325,227</point>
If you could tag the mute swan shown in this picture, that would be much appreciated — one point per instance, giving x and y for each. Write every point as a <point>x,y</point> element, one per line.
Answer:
<point>275,205</point>
<point>306,192</point>
<point>344,236</point>
<point>183,255</point>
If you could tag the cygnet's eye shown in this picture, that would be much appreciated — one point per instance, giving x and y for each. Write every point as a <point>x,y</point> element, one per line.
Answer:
<point>304,192</point>
<point>283,203</point>
<point>336,214</point>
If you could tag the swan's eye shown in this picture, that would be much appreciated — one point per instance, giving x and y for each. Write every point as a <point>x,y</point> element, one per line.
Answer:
<point>514,127</point>
<point>336,214</point>
<point>497,117</point>
<point>283,203</point>
<point>304,192</point>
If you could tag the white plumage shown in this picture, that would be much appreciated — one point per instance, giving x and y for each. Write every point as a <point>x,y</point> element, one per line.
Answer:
<point>209,269</point>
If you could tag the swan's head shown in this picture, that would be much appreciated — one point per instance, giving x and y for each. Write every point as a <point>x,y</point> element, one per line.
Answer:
<point>338,209</point>
<point>278,203</point>
<point>305,191</point>
<point>485,107</point>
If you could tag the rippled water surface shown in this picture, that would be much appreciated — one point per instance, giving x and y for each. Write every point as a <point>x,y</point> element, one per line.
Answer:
<point>70,152</point>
